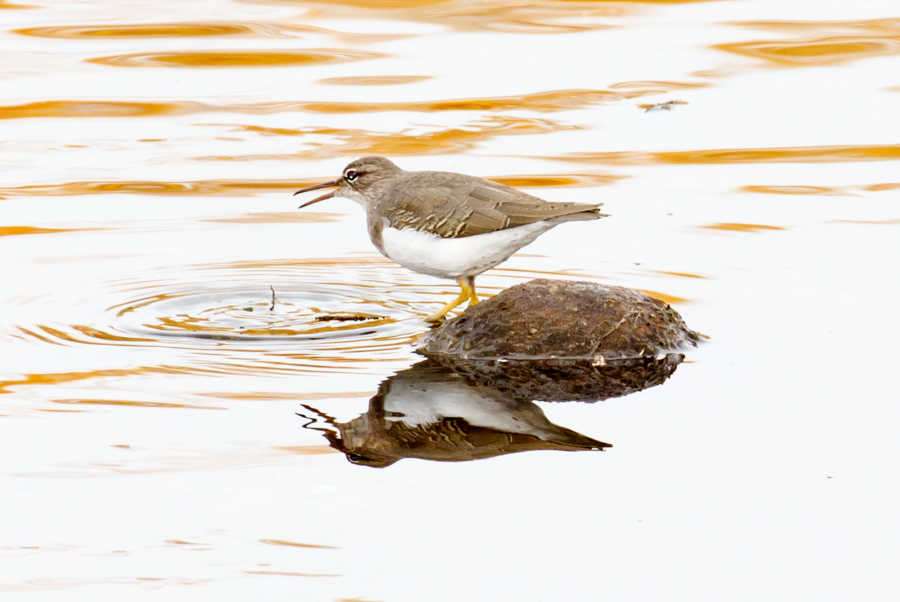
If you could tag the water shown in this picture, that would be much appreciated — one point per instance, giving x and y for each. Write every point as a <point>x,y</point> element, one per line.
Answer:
<point>167,312</point>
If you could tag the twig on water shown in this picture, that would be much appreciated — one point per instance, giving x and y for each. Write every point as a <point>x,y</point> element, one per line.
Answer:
<point>272,306</point>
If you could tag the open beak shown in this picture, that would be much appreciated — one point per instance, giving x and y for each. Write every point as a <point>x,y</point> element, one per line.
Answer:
<point>316,187</point>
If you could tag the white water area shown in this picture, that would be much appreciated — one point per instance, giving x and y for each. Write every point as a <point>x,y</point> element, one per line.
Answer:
<point>180,346</point>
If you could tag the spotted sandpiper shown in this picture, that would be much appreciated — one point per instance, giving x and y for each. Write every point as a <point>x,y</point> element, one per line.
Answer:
<point>446,224</point>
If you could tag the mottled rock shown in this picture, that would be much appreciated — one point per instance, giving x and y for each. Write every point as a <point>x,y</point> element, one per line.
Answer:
<point>561,319</point>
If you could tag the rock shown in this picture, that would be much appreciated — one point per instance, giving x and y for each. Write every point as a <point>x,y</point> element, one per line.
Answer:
<point>561,319</point>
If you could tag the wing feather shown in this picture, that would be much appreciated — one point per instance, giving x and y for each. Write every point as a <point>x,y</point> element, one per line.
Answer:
<point>466,206</point>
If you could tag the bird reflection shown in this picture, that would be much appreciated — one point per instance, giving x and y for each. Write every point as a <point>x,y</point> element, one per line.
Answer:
<point>433,413</point>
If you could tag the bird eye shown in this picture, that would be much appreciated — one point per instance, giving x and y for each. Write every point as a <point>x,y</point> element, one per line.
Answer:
<point>350,175</point>
<point>355,458</point>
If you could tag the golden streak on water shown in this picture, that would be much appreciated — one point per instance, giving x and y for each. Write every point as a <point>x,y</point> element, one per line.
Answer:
<point>558,181</point>
<point>135,404</point>
<point>542,102</point>
<point>79,108</point>
<point>683,275</point>
<point>819,51</point>
<point>292,395</point>
<point>25,230</point>
<point>6,386</point>
<point>670,299</point>
<point>294,544</point>
<point>877,222</point>
<point>238,188</point>
<point>136,30</point>
<point>374,80</point>
<point>871,26</point>
<point>276,217</point>
<point>227,59</point>
<point>792,190</point>
<point>358,142</point>
<point>801,154</point>
<point>547,17</point>
<point>735,227</point>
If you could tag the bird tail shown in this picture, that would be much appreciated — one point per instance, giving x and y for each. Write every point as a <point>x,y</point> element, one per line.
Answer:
<point>588,213</point>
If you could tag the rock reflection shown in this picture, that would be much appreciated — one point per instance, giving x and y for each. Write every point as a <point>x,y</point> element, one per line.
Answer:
<point>457,412</point>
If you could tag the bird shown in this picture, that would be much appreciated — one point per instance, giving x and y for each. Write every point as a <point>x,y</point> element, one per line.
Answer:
<point>444,224</point>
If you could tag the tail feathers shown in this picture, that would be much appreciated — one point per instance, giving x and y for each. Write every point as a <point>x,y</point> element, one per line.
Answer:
<point>581,213</point>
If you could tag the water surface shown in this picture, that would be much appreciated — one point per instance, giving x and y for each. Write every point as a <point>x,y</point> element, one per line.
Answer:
<point>168,313</point>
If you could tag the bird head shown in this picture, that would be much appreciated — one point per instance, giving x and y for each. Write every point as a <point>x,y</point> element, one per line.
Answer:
<point>363,181</point>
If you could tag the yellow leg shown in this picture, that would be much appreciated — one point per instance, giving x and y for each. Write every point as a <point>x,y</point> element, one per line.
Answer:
<point>467,285</point>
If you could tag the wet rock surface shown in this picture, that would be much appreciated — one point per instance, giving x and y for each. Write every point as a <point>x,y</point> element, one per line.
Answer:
<point>560,319</point>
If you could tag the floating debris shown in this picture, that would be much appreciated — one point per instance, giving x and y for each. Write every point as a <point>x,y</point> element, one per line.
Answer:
<point>348,317</point>
<point>662,106</point>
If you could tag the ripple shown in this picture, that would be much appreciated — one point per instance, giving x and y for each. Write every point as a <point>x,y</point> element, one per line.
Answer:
<point>135,30</point>
<point>820,51</point>
<point>797,154</point>
<point>225,58</point>
<point>824,42</point>
<point>222,318</point>
<point>345,315</point>
<point>540,102</point>
<point>361,142</point>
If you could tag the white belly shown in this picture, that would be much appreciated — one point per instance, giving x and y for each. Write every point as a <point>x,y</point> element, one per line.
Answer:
<point>454,257</point>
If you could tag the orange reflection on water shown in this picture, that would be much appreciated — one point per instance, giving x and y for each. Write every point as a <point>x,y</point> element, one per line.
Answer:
<point>834,41</point>
<point>736,227</point>
<point>22,230</point>
<point>225,58</point>
<point>136,30</point>
<point>135,404</point>
<point>820,51</point>
<point>543,102</point>
<point>882,187</point>
<point>295,544</point>
<point>670,299</point>
<point>557,180</point>
<point>542,16</point>
<point>796,154</point>
<point>872,26</point>
<point>874,222</point>
<point>55,378</point>
<point>359,142</point>
<point>251,188</point>
<point>792,189</point>
<point>79,108</point>
<point>194,188</point>
<point>374,80</point>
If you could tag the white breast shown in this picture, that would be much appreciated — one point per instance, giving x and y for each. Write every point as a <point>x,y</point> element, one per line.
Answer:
<point>455,257</point>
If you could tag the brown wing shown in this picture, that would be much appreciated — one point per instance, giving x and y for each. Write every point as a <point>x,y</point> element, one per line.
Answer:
<point>465,206</point>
